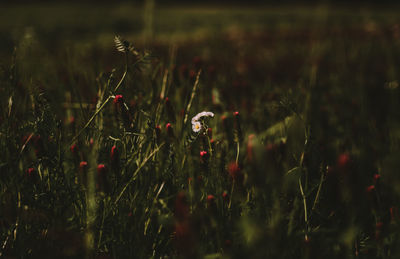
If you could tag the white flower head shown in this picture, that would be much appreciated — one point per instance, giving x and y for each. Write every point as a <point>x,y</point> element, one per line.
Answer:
<point>196,126</point>
<point>202,114</point>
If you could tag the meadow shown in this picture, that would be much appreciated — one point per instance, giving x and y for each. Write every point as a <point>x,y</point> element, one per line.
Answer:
<point>105,151</point>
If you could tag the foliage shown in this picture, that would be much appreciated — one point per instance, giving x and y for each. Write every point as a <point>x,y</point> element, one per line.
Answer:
<point>299,161</point>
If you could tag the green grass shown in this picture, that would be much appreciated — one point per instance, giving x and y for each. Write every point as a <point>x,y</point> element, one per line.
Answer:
<point>308,168</point>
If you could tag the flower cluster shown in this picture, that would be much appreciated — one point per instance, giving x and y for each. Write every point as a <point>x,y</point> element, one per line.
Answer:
<point>196,124</point>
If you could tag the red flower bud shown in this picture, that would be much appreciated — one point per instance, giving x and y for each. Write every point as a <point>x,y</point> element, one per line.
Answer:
<point>158,131</point>
<point>119,99</point>
<point>343,161</point>
<point>102,178</point>
<point>235,172</point>
<point>170,110</point>
<point>192,74</point>
<point>225,196</point>
<point>101,168</point>
<point>83,165</point>
<point>74,149</point>
<point>203,154</point>
<point>210,199</point>
<point>371,188</point>
<point>376,177</point>
<point>30,171</point>
<point>170,130</point>
<point>114,154</point>
<point>71,120</point>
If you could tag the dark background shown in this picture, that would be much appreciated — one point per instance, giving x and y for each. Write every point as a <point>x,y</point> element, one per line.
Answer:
<point>214,2</point>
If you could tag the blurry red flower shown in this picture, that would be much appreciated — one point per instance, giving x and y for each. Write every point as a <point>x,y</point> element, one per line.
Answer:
<point>370,188</point>
<point>343,161</point>
<point>118,99</point>
<point>235,172</point>
<point>170,130</point>
<point>74,149</point>
<point>83,165</point>
<point>114,154</point>
<point>30,171</point>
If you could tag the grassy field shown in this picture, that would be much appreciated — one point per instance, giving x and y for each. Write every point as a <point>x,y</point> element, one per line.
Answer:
<point>101,157</point>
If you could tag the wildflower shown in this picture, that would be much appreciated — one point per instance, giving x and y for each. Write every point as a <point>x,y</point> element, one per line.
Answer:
<point>235,172</point>
<point>376,177</point>
<point>203,153</point>
<point>170,109</point>
<point>196,126</point>
<point>71,121</point>
<point>83,165</point>
<point>170,130</point>
<point>102,179</point>
<point>192,74</point>
<point>210,199</point>
<point>237,126</point>
<point>343,161</point>
<point>225,196</point>
<point>118,99</point>
<point>202,114</point>
<point>370,188</point>
<point>30,171</point>
<point>83,169</point>
<point>101,169</point>
<point>74,149</point>
<point>114,154</point>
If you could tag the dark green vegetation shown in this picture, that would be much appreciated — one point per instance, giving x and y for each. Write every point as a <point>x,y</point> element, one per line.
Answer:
<point>98,157</point>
